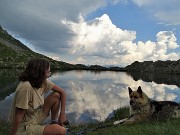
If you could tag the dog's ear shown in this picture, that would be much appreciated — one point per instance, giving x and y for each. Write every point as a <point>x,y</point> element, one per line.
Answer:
<point>130,90</point>
<point>139,90</point>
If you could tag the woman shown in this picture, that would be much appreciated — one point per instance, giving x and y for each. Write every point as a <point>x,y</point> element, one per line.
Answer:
<point>29,108</point>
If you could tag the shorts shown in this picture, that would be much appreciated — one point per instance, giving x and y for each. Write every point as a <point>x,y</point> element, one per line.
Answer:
<point>34,126</point>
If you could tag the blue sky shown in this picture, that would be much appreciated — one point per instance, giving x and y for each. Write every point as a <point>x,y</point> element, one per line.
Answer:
<point>130,16</point>
<point>103,32</point>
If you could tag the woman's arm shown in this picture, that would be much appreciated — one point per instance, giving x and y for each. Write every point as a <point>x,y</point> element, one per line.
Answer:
<point>19,114</point>
<point>62,93</point>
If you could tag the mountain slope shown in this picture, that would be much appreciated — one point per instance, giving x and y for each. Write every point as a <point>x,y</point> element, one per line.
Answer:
<point>14,54</point>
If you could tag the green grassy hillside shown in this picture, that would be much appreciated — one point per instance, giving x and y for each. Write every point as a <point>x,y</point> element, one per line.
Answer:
<point>14,54</point>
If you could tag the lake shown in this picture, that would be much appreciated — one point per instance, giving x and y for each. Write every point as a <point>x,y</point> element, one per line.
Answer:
<point>92,96</point>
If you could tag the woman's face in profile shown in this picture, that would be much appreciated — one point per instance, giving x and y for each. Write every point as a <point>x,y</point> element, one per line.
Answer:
<point>47,73</point>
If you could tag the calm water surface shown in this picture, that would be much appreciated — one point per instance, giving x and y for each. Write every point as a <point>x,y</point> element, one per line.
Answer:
<point>92,96</point>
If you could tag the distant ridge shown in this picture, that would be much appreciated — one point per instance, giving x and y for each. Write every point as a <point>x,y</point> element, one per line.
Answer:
<point>170,67</point>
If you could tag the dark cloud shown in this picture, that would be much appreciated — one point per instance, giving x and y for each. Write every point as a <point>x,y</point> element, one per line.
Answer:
<point>39,22</point>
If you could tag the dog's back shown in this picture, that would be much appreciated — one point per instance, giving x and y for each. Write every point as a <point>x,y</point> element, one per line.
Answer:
<point>166,109</point>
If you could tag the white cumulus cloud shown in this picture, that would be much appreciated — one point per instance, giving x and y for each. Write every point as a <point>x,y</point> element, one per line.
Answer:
<point>100,38</point>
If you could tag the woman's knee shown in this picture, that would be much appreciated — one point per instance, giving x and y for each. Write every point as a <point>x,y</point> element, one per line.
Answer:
<point>53,96</point>
<point>60,130</point>
<point>56,95</point>
<point>54,129</point>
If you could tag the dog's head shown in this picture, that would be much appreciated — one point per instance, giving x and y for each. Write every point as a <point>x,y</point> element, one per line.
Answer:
<point>138,97</point>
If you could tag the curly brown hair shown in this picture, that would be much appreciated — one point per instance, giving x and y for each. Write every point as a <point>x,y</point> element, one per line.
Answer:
<point>35,72</point>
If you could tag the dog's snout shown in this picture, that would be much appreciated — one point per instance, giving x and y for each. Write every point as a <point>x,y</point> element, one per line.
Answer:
<point>130,102</point>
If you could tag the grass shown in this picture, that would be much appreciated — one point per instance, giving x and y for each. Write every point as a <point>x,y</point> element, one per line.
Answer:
<point>169,127</point>
<point>166,127</point>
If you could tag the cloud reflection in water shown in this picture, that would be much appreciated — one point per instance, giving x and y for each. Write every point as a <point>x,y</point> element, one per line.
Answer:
<point>92,96</point>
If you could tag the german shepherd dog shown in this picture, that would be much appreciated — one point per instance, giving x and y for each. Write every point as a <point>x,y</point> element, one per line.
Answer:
<point>142,108</point>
